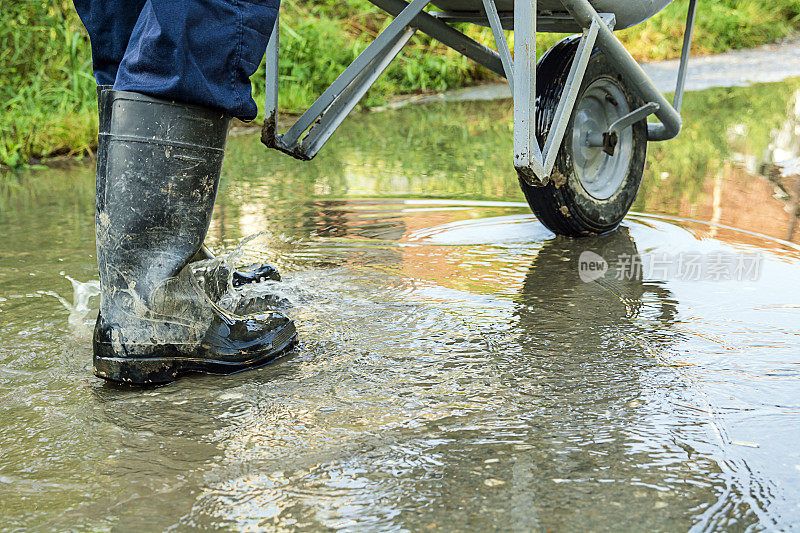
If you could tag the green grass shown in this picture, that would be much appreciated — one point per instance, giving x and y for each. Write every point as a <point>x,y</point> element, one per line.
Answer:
<point>47,91</point>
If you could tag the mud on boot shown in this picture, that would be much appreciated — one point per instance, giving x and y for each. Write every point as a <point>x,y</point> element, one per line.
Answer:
<point>157,183</point>
<point>241,277</point>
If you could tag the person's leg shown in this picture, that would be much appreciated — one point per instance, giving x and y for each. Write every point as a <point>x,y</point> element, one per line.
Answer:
<point>199,52</point>
<point>161,171</point>
<point>109,24</point>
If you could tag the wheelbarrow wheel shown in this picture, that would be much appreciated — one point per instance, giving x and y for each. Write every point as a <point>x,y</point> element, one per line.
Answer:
<point>589,191</point>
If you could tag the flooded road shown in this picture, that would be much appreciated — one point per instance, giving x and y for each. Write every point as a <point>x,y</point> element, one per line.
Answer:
<point>459,367</point>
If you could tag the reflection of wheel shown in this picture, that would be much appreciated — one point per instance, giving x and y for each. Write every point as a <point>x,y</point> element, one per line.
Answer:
<point>555,296</point>
<point>590,191</point>
<point>555,273</point>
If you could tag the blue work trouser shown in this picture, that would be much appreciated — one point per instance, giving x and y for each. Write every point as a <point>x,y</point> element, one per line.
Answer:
<point>193,51</point>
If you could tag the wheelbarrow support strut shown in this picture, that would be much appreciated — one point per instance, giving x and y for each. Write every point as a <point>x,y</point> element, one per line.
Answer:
<point>534,163</point>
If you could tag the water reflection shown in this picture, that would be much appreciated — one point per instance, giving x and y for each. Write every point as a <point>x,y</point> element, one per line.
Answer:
<point>714,172</point>
<point>579,417</point>
<point>601,351</point>
<point>783,162</point>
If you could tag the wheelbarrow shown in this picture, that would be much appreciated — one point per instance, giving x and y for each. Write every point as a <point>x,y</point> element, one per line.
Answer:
<point>580,115</point>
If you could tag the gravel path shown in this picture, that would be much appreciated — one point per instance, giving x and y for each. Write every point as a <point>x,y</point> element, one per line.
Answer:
<point>769,63</point>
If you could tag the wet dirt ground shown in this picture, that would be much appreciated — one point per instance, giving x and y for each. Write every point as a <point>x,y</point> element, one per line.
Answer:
<point>460,367</point>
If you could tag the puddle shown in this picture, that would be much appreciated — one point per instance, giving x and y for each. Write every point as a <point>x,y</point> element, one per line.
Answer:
<point>460,367</point>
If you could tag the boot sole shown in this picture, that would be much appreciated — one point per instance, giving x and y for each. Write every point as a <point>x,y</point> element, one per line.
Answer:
<point>150,370</point>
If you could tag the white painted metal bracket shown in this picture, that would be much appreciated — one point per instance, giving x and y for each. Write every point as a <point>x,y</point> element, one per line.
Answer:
<point>534,163</point>
<point>331,108</point>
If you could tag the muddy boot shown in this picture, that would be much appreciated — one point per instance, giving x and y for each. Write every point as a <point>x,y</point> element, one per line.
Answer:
<point>157,184</point>
<point>240,277</point>
<point>214,277</point>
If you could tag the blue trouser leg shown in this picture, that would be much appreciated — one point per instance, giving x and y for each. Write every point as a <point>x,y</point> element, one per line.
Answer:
<point>194,51</point>
<point>110,24</point>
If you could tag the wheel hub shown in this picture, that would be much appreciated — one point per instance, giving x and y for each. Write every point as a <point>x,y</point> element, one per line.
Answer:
<point>601,170</point>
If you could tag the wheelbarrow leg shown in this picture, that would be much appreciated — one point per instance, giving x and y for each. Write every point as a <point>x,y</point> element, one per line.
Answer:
<point>327,112</point>
<point>269,132</point>
<point>527,153</point>
<point>532,162</point>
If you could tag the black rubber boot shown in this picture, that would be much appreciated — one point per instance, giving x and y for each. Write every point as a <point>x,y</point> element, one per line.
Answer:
<point>157,184</point>
<point>251,274</point>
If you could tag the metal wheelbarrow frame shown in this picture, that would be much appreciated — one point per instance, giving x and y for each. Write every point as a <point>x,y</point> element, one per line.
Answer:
<point>534,163</point>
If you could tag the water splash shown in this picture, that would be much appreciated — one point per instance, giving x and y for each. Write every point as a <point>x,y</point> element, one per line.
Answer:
<point>216,278</point>
<point>79,308</point>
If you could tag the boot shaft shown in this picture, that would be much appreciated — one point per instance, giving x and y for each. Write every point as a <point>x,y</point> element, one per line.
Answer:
<point>104,114</point>
<point>159,165</point>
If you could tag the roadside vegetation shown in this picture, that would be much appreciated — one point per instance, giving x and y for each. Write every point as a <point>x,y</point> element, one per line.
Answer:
<point>47,91</point>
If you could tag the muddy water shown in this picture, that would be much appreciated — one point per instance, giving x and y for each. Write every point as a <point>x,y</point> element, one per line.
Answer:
<point>458,370</point>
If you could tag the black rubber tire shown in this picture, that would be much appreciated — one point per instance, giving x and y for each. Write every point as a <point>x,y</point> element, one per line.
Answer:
<point>563,205</point>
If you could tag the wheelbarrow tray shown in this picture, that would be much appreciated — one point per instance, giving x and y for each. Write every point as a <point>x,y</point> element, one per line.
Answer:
<point>628,12</point>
